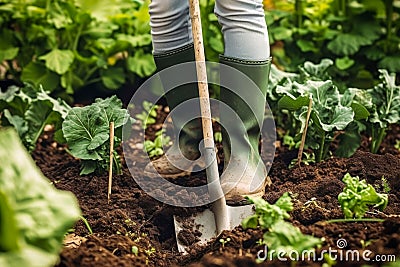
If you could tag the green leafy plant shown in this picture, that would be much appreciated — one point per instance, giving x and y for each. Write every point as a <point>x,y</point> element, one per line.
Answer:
<point>386,108</point>
<point>358,36</point>
<point>267,214</point>
<point>29,109</point>
<point>286,238</point>
<point>281,235</point>
<point>71,45</point>
<point>34,216</point>
<point>332,112</point>
<point>87,132</point>
<point>357,196</point>
<point>155,148</point>
<point>148,115</point>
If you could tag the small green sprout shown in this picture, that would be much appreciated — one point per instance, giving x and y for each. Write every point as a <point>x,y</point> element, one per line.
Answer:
<point>148,115</point>
<point>224,241</point>
<point>135,250</point>
<point>155,148</point>
<point>86,224</point>
<point>397,145</point>
<point>385,185</point>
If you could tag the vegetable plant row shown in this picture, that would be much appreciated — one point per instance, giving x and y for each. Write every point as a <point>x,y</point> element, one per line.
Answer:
<point>68,46</point>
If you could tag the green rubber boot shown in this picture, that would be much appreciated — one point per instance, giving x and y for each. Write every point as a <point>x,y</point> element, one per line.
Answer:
<point>181,158</point>
<point>244,172</point>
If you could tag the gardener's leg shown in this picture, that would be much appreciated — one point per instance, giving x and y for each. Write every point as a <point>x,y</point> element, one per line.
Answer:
<point>172,44</point>
<point>170,25</point>
<point>247,51</point>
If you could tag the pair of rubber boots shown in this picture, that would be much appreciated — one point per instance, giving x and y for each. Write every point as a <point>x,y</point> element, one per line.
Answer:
<point>243,86</point>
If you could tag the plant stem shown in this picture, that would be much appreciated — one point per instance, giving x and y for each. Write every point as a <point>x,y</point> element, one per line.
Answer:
<point>321,148</point>
<point>355,220</point>
<point>111,159</point>
<point>76,40</point>
<point>87,224</point>
<point>377,140</point>
<point>299,13</point>
<point>389,22</point>
<point>343,7</point>
<point>303,137</point>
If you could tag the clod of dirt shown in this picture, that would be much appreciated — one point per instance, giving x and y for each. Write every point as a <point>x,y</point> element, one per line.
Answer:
<point>188,238</point>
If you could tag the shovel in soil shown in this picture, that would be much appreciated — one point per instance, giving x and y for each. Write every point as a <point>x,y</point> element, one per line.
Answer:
<point>202,227</point>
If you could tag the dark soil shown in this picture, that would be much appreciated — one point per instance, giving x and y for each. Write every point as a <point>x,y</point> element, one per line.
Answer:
<point>136,230</point>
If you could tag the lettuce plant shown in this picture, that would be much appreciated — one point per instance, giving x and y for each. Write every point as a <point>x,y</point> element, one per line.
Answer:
<point>357,196</point>
<point>29,109</point>
<point>280,236</point>
<point>87,132</point>
<point>34,216</point>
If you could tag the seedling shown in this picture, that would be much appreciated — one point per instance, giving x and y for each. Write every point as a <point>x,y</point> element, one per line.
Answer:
<point>307,159</point>
<point>148,115</point>
<point>135,250</point>
<point>385,185</point>
<point>224,241</point>
<point>155,148</point>
<point>365,244</point>
<point>86,224</point>
<point>397,145</point>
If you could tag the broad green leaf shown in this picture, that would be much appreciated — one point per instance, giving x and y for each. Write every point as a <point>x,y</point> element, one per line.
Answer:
<point>391,63</point>
<point>360,112</point>
<point>41,214</point>
<point>9,53</point>
<point>339,120</point>
<point>347,44</point>
<point>113,78</point>
<point>58,60</point>
<point>38,74</point>
<point>112,111</point>
<point>8,228</point>
<point>88,167</point>
<point>39,114</point>
<point>344,63</point>
<point>281,33</point>
<point>85,130</point>
<point>306,46</point>
<point>141,64</point>
<point>17,122</point>
<point>289,103</point>
<point>316,72</point>
<point>350,140</point>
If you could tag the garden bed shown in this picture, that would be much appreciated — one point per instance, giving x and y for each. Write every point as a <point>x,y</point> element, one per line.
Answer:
<point>136,230</point>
